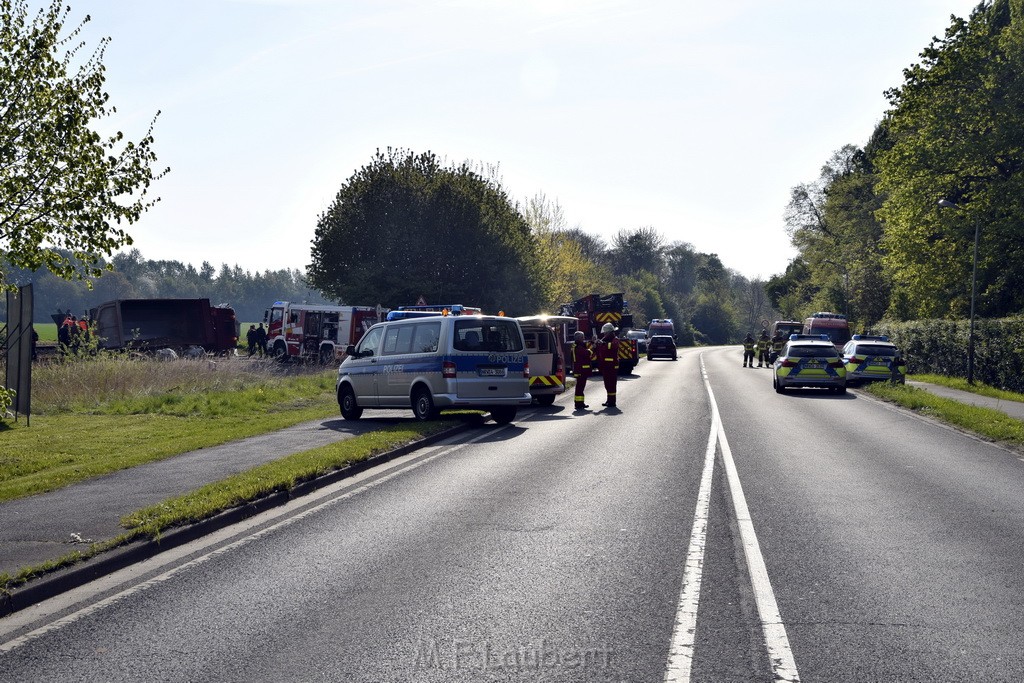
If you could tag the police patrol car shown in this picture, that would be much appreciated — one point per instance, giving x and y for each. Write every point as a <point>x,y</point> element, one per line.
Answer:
<point>871,359</point>
<point>809,360</point>
<point>435,362</point>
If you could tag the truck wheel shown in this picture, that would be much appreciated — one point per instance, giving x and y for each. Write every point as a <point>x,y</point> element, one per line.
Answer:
<point>545,399</point>
<point>503,414</point>
<point>350,410</point>
<point>423,405</point>
<point>279,352</point>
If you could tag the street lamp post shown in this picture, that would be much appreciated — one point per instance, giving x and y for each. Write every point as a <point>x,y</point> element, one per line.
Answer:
<point>946,204</point>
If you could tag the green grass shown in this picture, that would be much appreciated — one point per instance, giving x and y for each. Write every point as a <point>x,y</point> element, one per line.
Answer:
<point>985,422</point>
<point>84,436</point>
<point>959,383</point>
<point>211,499</point>
<point>47,331</point>
<point>280,475</point>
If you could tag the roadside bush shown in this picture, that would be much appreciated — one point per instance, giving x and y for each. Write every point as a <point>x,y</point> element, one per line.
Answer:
<point>940,347</point>
<point>6,401</point>
<point>686,335</point>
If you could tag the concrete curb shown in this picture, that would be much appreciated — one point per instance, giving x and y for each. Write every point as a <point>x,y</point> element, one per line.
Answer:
<point>106,563</point>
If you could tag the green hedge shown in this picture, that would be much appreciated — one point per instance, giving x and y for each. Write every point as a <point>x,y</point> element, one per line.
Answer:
<point>940,346</point>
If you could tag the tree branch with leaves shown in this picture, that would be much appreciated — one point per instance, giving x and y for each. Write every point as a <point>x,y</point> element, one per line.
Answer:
<point>66,191</point>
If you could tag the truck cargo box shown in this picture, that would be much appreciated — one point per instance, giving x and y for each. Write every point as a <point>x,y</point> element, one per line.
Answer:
<point>150,324</point>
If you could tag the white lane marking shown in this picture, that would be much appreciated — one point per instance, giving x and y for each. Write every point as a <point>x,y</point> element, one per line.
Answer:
<point>48,608</point>
<point>779,652</point>
<point>680,654</point>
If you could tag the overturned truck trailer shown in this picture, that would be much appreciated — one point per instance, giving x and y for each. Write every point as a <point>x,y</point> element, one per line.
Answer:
<point>151,324</point>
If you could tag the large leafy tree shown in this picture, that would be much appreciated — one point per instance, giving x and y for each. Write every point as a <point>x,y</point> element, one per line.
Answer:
<point>957,132</point>
<point>65,190</point>
<point>640,249</point>
<point>832,223</point>
<point>567,271</point>
<point>406,226</point>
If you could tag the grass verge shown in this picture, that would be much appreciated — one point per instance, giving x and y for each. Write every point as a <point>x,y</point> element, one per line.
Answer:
<point>962,385</point>
<point>985,422</point>
<point>63,448</point>
<point>271,477</point>
<point>242,488</point>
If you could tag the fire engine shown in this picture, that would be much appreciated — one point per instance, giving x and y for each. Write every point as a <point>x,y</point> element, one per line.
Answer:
<point>593,311</point>
<point>318,332</point>
<point>661,326</point>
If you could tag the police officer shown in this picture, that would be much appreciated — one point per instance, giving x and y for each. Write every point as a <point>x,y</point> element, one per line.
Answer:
<point>762,349</point>
<point>608,361</point>
<point>748,350</point>
<point>582,359</point>
<point>778,341</point>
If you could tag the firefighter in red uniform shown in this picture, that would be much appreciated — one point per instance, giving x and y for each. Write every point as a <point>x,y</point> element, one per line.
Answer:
<point>608,361</point>
<point>582,359</point>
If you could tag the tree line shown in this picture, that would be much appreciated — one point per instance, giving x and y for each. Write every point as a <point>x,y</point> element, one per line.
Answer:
<point>135,277</point>
<point>409,225</point>
<point>873,240</point>
<point>709,302</point>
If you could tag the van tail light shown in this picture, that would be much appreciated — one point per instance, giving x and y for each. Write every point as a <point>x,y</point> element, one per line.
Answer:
<point>448,369</point>
<point>526,369</point>
<point>837,363</point>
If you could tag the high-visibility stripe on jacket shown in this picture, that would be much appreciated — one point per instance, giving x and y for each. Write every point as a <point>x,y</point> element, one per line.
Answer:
<point>582,358</point>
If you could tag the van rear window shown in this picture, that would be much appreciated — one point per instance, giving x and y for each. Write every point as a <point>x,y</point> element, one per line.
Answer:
<point>473,334</point>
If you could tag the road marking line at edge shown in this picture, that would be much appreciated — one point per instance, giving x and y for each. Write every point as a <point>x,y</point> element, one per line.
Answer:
<point>779,652</point>
<point>34,613</point>
<point>680,654</point>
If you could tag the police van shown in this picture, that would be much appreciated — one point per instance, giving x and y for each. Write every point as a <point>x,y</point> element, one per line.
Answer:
<point>442,361</point>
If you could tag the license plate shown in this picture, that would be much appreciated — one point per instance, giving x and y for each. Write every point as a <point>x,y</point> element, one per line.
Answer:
<point>492,372</point>
<point>813,366</point>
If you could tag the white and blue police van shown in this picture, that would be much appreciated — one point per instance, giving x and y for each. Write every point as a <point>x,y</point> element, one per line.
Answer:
<point>432,363</point>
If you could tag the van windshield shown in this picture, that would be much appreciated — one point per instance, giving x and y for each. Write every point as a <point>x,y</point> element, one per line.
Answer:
<point>474,334</point>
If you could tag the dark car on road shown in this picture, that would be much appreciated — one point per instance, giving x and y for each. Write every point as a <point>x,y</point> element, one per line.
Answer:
<point>661,346</point>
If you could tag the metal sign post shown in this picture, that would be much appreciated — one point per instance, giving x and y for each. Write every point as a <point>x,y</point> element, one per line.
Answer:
<point>18,350</point>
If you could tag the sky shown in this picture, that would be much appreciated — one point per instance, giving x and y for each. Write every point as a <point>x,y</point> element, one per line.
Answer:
<point>692,118</point>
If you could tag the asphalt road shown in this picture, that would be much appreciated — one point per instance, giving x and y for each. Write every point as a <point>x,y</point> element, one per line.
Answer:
<point>713,530</point>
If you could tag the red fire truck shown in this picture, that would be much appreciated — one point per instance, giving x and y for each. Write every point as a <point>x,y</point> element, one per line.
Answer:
<point>319,332</point>
<point>593,311</point>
